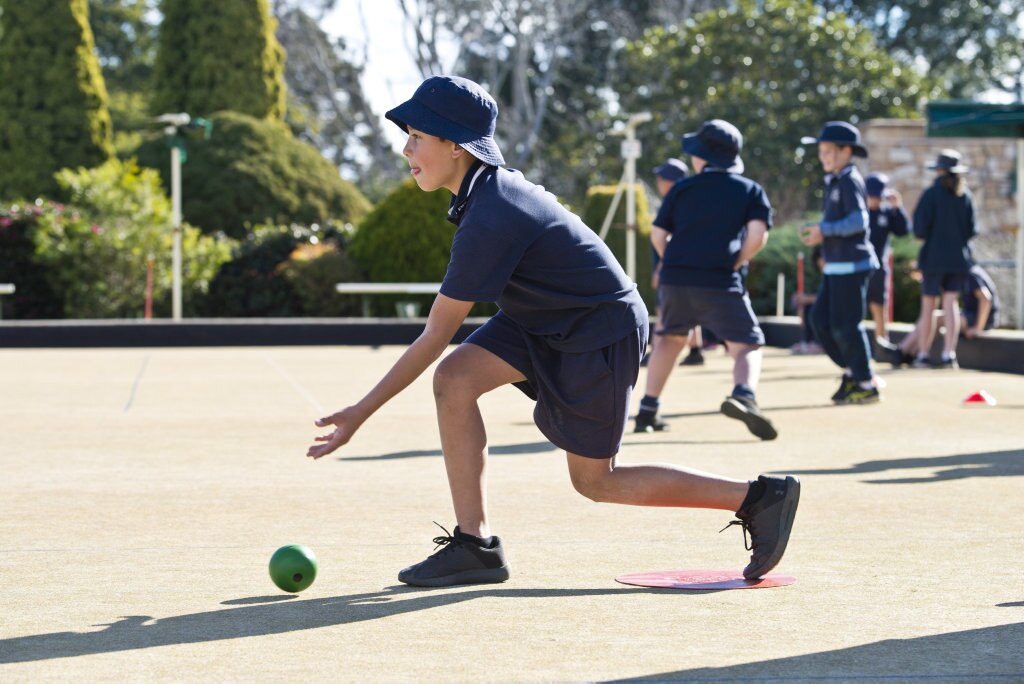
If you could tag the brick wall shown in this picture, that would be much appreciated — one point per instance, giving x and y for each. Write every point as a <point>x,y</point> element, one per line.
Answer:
<point>901,149</point>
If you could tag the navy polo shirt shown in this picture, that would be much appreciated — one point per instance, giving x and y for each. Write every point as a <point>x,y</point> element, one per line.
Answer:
<point>517,246</point>
<point>707,215</point>
<point>844,224</point>
<point>977,278</point>
<point>886,222</point>
<point>946,224</point>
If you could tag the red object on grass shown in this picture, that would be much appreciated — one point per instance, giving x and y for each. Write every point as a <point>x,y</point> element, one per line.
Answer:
<point>703,580</point>
<point>981,397</point>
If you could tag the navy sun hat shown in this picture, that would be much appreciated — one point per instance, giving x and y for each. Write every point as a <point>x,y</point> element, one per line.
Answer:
<point>951,161</point>
<point>718,143</point>
<point>672,170</point>
<point>875,184</point>
<point>839,133</point>
<point>455,109</point>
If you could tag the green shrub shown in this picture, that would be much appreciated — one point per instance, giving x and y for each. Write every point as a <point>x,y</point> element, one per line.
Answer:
<point>780,256</point>
<point>94,251</point>
<point>595,209</point>
<point>33,297</point>
<point>406,239</point>
<point>252,172</point>
<point>312,270</point>
<point>259,280</point>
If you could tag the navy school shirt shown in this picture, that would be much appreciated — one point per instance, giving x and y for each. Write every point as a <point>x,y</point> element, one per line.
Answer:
<point>883,222</point>
<point>707,214</point>
<point>946,224</point>
<point>517,246</point>
<point>844,225</point>
<point>977,278</point>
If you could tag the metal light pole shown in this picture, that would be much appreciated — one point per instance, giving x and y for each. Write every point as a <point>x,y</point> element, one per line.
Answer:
<point>631,150</point>
<point>174,124</point>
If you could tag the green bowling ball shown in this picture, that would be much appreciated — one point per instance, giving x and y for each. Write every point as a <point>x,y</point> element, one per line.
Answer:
<point>293,568</point>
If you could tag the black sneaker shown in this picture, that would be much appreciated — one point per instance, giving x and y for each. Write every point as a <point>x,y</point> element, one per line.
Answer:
<point>747,411</point>
<point>769,520</point>
<point>649,422</point>
<point>898,357</point>
<point>860,395</point>
<point>845,385</point>
<point>948,362</point>
<point>694,358</point>
<point>461,561</point>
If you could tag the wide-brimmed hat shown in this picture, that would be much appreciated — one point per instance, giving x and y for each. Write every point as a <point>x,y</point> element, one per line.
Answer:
<point>718,143</point>
<point>839,133</point>
<point>875,184</point>
<point>951,161</point>
<point>456,109</point>
<point>673,169</point>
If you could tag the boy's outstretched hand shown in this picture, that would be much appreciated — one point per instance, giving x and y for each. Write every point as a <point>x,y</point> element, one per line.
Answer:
<point>345,422</point>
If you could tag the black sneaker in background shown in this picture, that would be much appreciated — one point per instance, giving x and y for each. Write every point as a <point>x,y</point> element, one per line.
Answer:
<point>845,385</point>
<point>649,422</point>
<point>694,358</point>
<point>461,561</point>
<point>948,362</point>
<point>860,395</point>
<point>747,411</point>
<point>768,521</point>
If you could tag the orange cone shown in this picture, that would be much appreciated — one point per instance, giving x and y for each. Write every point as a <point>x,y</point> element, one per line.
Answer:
<point>981,397</point>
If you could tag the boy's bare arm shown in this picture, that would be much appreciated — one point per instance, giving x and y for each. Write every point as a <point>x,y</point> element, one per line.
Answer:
<point>754,242</point>
<point>446,315</point>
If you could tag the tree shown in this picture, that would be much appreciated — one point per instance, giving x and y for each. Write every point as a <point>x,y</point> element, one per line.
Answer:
<point>53,103</point>
<point>126,32</point>
<point>777,69</point>
<point>549,66</point>
<point>327,106</point>
<point>215,56</point>
<point>969,47</point>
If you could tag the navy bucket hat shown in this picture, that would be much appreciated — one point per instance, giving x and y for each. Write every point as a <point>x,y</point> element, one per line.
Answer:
<point>673,170</point>
<point>875,184</point>
<point>839,133</point>
<point>951,161</point>
<point>718,143</point>
<point>455,109</point>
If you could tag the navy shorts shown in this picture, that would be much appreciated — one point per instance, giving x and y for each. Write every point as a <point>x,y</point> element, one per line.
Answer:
<point>934,284</point>
<point>728,313</point>
<point>878,291</point>
<point>582,398</point>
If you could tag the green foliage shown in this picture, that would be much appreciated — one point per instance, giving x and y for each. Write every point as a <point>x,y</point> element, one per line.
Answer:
<point>312,270</point>
<point>405,239</point>
<point>33,296</point>
<point>273,272</point>
<point>780,256</point>
<point>595,209</point>
<point>777,69</point>
<point>53,103</point>
<point>94,251</point>
<point>251,172</point>
<point>215,56</point>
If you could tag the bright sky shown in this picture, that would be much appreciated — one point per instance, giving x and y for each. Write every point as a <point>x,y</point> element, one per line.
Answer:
<point>391,75</point>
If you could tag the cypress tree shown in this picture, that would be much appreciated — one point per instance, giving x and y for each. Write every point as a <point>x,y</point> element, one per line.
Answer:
<point>53,103</point>
<point>215,56</point>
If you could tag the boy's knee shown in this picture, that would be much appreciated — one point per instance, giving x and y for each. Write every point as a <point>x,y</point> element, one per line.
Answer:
<point>591,484</point>
<point>448,378</point>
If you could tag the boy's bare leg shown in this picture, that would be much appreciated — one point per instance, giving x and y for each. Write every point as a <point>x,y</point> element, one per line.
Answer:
<point>662,361</point>
<point>746,368</point>
<point>951,312</point>
<point>878,316</point>
<point>928,325</point>
<point>653,484</point>
<point>463,377</point>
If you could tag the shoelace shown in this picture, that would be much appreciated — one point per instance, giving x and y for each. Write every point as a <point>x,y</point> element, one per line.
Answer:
<point>745,526</point>
<point>445,540</point>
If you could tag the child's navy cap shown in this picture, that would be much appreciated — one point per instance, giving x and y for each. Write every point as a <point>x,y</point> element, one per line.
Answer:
<point>673,169</point>
<point>951,161</point>
<point>456,109</point>
<point>718,143</point>
<point>875,184</point>
<point>839,133</point>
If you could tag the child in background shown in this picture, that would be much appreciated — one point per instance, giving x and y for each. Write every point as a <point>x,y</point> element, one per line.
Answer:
<point>885,217</point>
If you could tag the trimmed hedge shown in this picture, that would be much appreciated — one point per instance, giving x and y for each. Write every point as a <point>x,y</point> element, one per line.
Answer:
<point>253,172</point>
